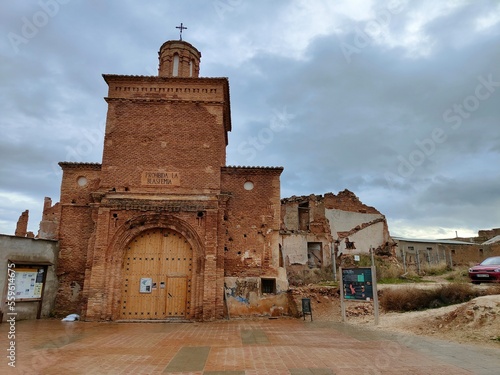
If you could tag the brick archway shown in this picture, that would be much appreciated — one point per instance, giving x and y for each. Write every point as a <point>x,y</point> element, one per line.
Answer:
<point>131,230</point>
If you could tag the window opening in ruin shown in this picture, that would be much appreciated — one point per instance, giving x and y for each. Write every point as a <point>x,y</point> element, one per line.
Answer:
<point>314,254</point>
<point>349,244</point>
<point>268,286</point>
<point>175,71</point>
<point>281,262</point>
<point>304,216</point>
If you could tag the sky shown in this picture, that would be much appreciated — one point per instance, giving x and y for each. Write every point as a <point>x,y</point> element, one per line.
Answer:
<point>396,101</point>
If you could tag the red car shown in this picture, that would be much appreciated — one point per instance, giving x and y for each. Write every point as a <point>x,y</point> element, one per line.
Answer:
<point>486,271</point>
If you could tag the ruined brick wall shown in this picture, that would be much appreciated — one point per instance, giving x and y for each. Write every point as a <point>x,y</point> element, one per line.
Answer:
<point>316,205</point>
<point>51,217</point>
<point>22,225</point>
<point>252,221</point>
<point>305,213</point>
<point>79,182</point>
<point>317,221</point>
<point>484,235</point>
<point>347,201</point>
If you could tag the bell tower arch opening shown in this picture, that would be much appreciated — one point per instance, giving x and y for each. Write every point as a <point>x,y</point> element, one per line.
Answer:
<point>178,58</point>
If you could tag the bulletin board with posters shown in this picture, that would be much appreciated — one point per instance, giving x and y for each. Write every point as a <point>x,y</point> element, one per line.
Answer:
<point>28,279</point>
<point>29,282</point>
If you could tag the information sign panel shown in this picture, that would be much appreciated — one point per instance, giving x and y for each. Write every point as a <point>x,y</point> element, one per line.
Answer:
<point>358,283</point>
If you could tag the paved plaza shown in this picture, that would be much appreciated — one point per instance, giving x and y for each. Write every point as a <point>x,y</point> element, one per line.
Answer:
<point>237,347</point>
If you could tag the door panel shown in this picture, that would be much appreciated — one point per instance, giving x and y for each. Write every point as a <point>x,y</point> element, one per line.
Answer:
<point>163,257</point>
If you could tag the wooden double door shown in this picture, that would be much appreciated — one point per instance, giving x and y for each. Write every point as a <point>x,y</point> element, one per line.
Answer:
<point>157,273</point>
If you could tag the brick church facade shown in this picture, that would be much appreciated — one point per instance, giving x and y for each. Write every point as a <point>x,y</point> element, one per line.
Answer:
<point>162,228</point>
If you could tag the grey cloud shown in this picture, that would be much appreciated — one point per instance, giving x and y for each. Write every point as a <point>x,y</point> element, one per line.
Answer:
<point>350,122</point>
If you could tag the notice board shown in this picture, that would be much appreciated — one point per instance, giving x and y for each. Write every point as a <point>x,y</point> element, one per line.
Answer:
<point>358,283</point>
<point>29,282</point>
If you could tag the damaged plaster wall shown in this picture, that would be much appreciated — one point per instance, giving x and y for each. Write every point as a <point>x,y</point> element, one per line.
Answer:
<point>365,230</point>
<point>295,244</point>
<point>330,220</point>
<point>245,297</point>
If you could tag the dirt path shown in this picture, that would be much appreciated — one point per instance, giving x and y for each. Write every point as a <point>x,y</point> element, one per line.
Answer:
<point>476,321</point>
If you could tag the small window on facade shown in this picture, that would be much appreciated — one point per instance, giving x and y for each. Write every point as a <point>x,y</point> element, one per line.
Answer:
<point>175,70</point>
<point>268,286</point>
<point>304,216</point>
<point>248,185</point>
<point>82,181</point>
<point>191,63</point>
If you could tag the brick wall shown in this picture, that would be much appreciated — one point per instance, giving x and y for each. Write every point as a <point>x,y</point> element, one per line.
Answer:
<point>252,240</point>
<point>76,227</point>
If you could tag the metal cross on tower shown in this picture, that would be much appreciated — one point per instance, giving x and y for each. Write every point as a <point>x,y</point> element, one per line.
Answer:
<point>181,27</point>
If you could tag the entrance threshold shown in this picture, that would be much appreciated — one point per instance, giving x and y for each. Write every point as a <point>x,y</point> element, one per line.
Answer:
<point>154,321</point>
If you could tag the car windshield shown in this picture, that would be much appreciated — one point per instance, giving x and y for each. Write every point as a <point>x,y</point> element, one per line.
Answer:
<point>490,261</point>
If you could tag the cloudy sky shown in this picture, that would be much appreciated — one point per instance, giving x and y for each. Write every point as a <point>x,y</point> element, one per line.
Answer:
<point>397,101</point>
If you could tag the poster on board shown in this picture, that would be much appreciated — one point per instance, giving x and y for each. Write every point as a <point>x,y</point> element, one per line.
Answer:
<point>29,283</point>
<point>146,285</point>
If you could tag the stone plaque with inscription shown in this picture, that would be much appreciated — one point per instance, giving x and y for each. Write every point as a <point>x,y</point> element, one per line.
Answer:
<point>159,178</point>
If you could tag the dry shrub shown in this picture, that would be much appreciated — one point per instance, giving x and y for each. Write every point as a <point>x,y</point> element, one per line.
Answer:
<point>493,289</point>
<point>413,299</point>
<point>436,269</point>
<point>404,299</point>
<point>458,275</point>
<point>457,293</point>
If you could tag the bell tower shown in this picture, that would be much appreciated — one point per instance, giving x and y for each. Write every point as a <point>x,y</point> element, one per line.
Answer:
<point>179,59</point>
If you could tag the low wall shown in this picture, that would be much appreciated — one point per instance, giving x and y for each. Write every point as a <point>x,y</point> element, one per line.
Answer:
<point>27,252</point>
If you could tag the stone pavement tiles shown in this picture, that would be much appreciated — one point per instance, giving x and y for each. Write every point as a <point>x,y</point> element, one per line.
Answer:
<point>238,347</point>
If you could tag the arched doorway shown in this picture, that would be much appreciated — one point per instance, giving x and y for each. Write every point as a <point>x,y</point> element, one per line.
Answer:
<point>157,272</point>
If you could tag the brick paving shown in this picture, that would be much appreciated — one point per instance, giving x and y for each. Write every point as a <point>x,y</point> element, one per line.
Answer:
<point>240,347</point>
